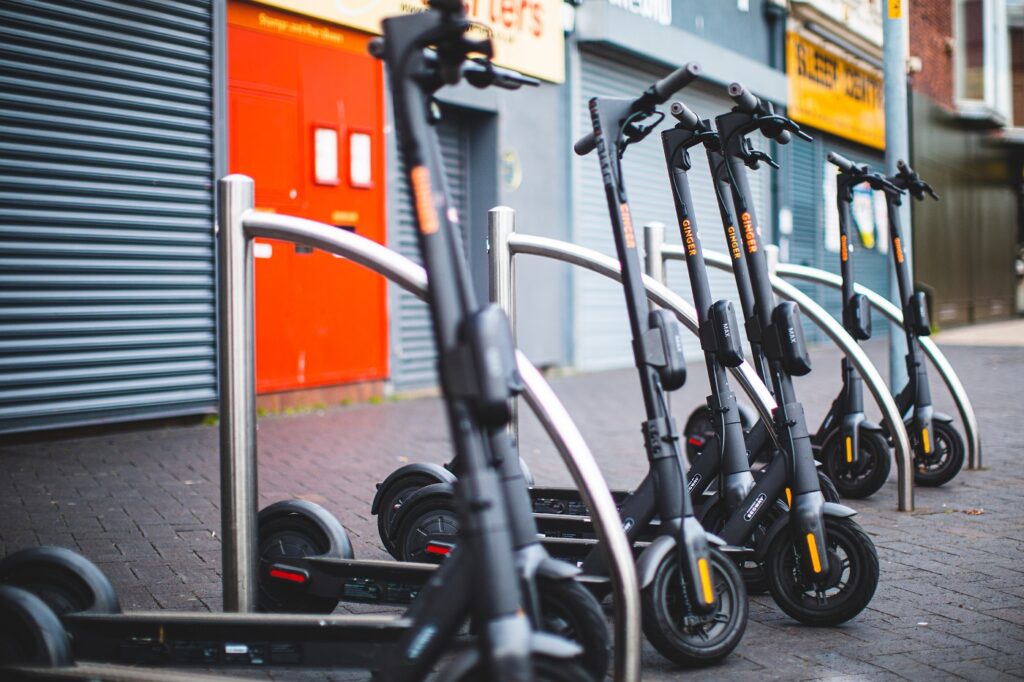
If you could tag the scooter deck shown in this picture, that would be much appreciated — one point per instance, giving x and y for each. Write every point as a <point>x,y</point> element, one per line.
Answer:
<point>246,639</point>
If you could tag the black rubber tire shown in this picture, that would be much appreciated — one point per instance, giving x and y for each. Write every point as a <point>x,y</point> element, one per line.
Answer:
<point>570,610</point>
<point>752,572</point>
<point>397,495</point>
<point>853,570</point>
<point>30,632</point>
<point>545,669</point>
<point>948,460</point>
<point>698,425</point>
<point>410,537</point>
<point>707,639</point>
<point>869,474</point>
<point>64,580</point>
<point>828,487</point>
<point>290,537</point>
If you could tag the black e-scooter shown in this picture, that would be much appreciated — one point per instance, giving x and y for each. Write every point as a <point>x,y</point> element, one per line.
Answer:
<point>479,578</point>
<point>681,550</point>
<point>694,602</point>
<point>821,568</point>
<point>853,450</point>
<point>938,446</point>
<point>306,563</point>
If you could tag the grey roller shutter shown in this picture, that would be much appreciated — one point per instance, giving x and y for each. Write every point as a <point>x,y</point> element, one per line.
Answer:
<point>106,210</point>
<point>807,243</point>
<point>602,338</point>
<point>414,356</point>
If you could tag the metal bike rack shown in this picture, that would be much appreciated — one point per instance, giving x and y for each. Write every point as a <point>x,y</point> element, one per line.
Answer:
<point>504,243</point>
<point>238,225</point>
<point>892,311</point>
<point>658,251</point>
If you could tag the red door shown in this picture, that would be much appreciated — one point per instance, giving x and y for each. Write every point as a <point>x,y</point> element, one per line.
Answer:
<point>306,119</point>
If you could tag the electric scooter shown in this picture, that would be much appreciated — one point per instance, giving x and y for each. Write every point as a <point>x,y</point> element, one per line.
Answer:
<point>853,450</point>
<point>301,570</point>
<point>478,578</point>
<point>694,602</point>
<point>938,446</point>
<point>821,568</point>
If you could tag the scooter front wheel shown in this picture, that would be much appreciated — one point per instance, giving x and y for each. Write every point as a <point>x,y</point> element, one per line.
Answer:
<point>686,637</point>
<point>30,633</point>
<point>570,610</point>
<point>946,459</point>
<point>864,477</point>
<point>844,592</point>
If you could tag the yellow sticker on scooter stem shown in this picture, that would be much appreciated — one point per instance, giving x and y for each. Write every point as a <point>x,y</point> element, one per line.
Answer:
<point>705,581</point>
<point>926,441</point>
<point>812,547</point>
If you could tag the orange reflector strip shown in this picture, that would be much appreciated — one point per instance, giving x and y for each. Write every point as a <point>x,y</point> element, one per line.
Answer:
<point>812,546</point>
<point>789,497</point>
<point>926,441</point>
<point>849,449</point>
<point>705,581</point>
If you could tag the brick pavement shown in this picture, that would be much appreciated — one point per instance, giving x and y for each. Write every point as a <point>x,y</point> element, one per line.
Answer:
<point>950,604</point>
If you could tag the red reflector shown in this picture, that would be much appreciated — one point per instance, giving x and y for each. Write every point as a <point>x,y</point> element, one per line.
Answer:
<point>438,549</point>
<point>290,576</point>
<point>695,442</point>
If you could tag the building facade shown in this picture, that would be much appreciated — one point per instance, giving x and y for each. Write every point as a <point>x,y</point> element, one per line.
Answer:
<point>117,119</point>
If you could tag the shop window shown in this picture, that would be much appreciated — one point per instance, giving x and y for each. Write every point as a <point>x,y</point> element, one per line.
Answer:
<point>982,77</point>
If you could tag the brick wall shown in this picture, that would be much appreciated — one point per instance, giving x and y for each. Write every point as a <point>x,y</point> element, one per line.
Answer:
<point>931,26</point>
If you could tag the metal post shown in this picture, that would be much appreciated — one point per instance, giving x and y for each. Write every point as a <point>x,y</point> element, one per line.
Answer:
<point>654,241</point>
<point>654,264</point>
<point>237,383</point>
<point>897,146</point>
<point>501,223</point>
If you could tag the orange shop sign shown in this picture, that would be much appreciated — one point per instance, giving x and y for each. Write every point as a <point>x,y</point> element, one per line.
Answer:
<point>834,93</point>
<point>527,34</point>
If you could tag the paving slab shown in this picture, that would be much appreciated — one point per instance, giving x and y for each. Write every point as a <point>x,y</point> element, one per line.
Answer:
<point>144,506</point>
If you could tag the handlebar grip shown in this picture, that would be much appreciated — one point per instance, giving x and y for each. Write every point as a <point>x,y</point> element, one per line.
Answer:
<point>677,80</point>
<point>842,162</point>
<point>585,144</point>
<point>682,113</point>
<point>745,100</point>
<point>783,137</point>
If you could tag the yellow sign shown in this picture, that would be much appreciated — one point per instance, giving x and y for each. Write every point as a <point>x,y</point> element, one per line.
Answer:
<point>527,34</point>
<point>830,92</point>
<point>895,9</point>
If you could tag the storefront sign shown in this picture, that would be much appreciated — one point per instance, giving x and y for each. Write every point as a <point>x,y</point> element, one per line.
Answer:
<point>527,34</point>
<point>832,93</point>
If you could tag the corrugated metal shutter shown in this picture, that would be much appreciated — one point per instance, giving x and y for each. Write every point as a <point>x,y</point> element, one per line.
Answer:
<point>106,210</point>
<point>602,336</point>
<point>414,356</point>
<point>807,243</point>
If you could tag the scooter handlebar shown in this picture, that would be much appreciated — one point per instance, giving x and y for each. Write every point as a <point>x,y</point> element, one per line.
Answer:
<point>687,119</point>
<point>841,162</point>
<point>745,100</point>
<point>585,144</point>
<point>676,81</point>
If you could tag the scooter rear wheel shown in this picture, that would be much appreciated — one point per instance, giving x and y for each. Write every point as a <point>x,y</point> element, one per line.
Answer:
<point>290,537</point>
<point>846,590</point>
<point>864,477</point>
<point>946,459</point>
<point>30,632</point>
<point>427,530</point>
<point>64,580</point>
<point>685,637</point>
<point>392,502</point>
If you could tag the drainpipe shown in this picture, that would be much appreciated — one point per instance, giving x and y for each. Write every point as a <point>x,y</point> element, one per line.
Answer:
<point>775,14</point>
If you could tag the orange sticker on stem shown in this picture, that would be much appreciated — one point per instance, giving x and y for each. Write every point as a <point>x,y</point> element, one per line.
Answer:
<point>426,213</point>
<point>627,226</point>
